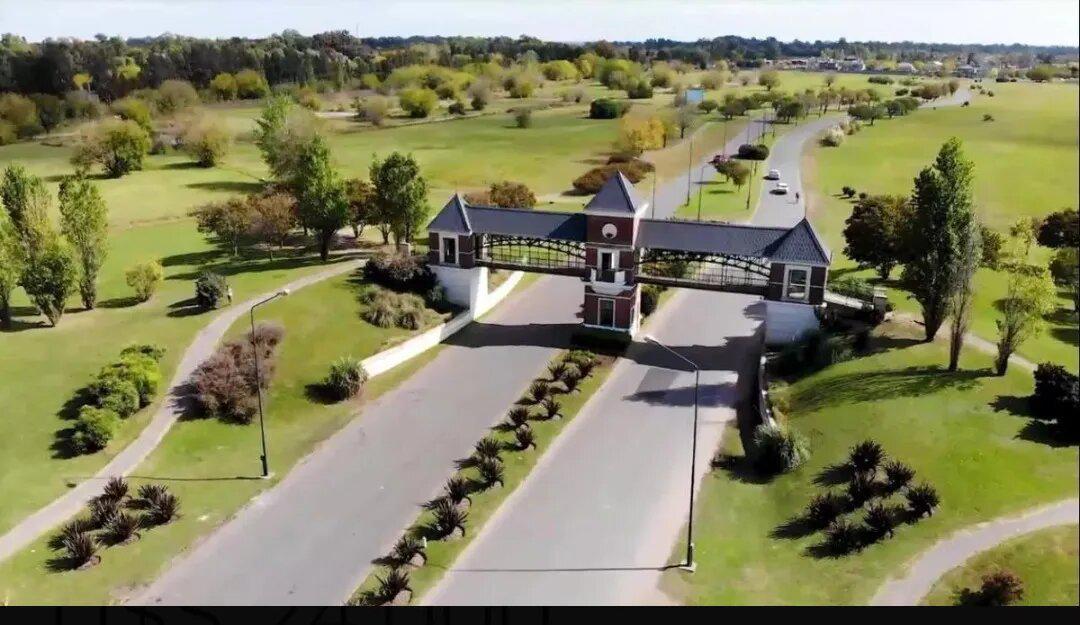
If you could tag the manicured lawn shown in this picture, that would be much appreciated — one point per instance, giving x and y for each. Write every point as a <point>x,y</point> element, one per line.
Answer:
<point>1046,561</point>
<point>213,466</point>
<point>1025,166</point>
<point>441,554</point>
<point>965,433</point>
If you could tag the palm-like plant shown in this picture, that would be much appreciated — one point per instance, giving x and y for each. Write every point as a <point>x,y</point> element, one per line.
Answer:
<point>164,509</point>
<point>122,527</point>
<point>880,520</point>
<point>406,548</point>
<point>491,471</point>
<point>551,408</point>
<point>393,584</point>
<point>525,437</point>
<point>538,390</point>
<point>898,475</point>
<point>585,366</point>
<point>78,525</point>
<point>823,509</point>
<point>102,511</point>
<point>571,383</point>
<point>149,493</point>
<point>487,447</point>
<point>866,456</point>
<point>557,370</point>
<point>923,498</point>
<point>116,489</point>
<point>81,548</point>
<point>448,518</point>
<point>842,536</point>
<point>457,489</point>
<point>860,488</point>
<point>518,416</point>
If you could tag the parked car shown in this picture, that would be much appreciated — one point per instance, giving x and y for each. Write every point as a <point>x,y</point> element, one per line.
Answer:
<point>781,188</point>
<point>774,174</point>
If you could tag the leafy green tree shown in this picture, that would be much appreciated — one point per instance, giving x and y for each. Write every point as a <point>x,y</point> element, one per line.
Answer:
<point>50,110</point>
<point>11,265</point>
<point>283,130</point>
<point>145,278</point>
<point>769,79</point>
<point>400,195</point>
<point>867,112</point>
<point>1029,297</point>
<point>229,221</point>
<point>1060,229</point>
<point>206,140</point>
<point>118,146</point>
<point>942,213</point>
<point>970,253</point>
<point>24,197</point>
<point>251,85</point>
<point>320,194</point>
<point>134,109</point>
<point>273,217</point>
<point>224,86</point>
<point>873,232</point>
<point>362,209</point>
<point>175,95</point>
<point>1066,273</point>
<point>84,222</point>
<point>418,102</point>
<point>49,277</point>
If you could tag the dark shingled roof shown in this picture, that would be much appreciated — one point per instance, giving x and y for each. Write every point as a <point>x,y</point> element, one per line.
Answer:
<point>616,196</point>
<point>453,217</point>
<point>798,244</point>
<point>461,218</point>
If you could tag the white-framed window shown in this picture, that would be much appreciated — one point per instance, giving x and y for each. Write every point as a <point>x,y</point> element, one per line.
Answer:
<point>797,283</point>
<point>605,312</point>
<point>449,250</point>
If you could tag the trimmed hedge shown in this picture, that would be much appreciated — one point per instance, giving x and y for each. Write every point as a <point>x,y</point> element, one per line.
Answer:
<point>117,392</point>
<point>400,273</point>
<point>590,182</point>
<point>607,109</point>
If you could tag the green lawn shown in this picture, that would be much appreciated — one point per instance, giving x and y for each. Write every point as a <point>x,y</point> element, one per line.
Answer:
<point>1046,561</point>
<point>965,433</point>
<point>1025,165</point>
<point>213,466</point>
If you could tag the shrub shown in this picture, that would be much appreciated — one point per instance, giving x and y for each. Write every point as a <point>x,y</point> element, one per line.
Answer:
<point>650,298</point>
<point>94,428</point>
<point>525,437</point>
<point>833,137</point>
<point>448,518</point>
<point>347,376</point>
<point>898,475</point>
<point>210,289</point>
<point>115,393</point>
<point>457,489</point>
<point>119,146</point>
<point>387,309</point>
<point>866,456</point>
<point>778,450</point>
<point>487,447</point>
<point>393,584</point>
<point>146,349</point>
<point>225,383</point>
<point>102,510</point>
<point>523,117</point>
<point>135,110</point>
<point>1057,392</point>
<point>1000,588</point>
<point>538,391</point>
<point>879,520</point>
<point>604,108</point>
<point>753,152</point>
<point>590,182</point>
<point>141,370</point>
<point>374,109</point>
<point>639,89</point>
<point>418,103</point>
<point>163,509</point>
<point>852,287</point>
<point>122,527</point>
<point>860,488</point>
<point>400,273</point>
<point>206,141</point>
<point>508,194</point>
<point>842,537</point>
<point>848,192</point>
<point>517,416</point>
<point>457,108</point>
<point>8,132</point>
<point>174,95</point>
<point>922,500</point>
<point>71,529</point>
<point>406,549</point>
<point>145,278</point>
<point>823,510</point>
<point>491,471</point>
<point>149,493</point>
<point>115,489</point>
<point>81,549</point>
<point>551,407</point>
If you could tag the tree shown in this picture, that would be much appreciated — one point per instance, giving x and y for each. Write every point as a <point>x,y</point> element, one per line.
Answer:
<point>11,265</point>
<point>229,221</point>
<point>418,102</point>
<point>224,86</point>
<point>1060,229</point>
<point>790,109</point>
<point>84,221</point>
<point>118,146</point>
<point>373,109</point>
<point>251,85</point>
<point>683,119</point>
<point>282,132</point>
<point>1065,271</point>
<point>145,278</point>
<point>942,213</point>
<point>638,134</point>
<point>206,140</point>
<point>136,110</point>
<point>1023,232</point>
<point>873,232</point>
<point>1029,297</point>
<point>49,277</point>
<point>400,195</point>
<point>769,79</point>
<point>1000,588</point>
<point>962,294</point>
<point>867,112</point>
<point>993,243</point>
<point>320,194</point>
<point>175,95</point>
<point>362,209</point>
<point>509,194</point>
<point>273,217</point>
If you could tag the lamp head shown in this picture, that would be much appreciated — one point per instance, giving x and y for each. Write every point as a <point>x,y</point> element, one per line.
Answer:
<point>283,292</point>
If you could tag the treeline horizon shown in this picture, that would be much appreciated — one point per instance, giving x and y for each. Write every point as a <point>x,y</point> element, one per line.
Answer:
<point>116,65</point>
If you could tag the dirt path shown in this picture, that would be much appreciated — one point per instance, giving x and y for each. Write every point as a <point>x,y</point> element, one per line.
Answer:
<point>69,504</point>
<point>952,552</point>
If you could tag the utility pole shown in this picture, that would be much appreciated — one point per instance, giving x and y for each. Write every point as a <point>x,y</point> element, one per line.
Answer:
<point>689,168</point>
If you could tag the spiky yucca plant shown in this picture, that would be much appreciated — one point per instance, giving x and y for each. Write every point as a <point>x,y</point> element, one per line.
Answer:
<point>842,536</point>
<point>879,520</point>
<point>525,437</point>
<point>824,509</point>
<point>102,511</point>
<point>149,493</point>
<point>164,509</point>
<point>487,447</point>
<point>406,548</point>
<point>448,518</point>
<point>393,584</point>
<point>538,390</point>
<point>898,475</point>
<point>81,548</point>
<point>518,416</point>
<point>116,489</point>
<point>122,526</point>
<point>923,499</point>
<point>866,456</point>
<point>491,471</point>
<point>551,407</point>
<point>571,383</point>
<point>457,489</point>
<point>557,370</point>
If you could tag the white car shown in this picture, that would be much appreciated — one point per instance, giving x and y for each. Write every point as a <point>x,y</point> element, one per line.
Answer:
<point>774,174</point>
<point>781,188</point>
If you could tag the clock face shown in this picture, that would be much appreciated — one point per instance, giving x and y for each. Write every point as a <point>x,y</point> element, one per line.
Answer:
<point>609,231</point>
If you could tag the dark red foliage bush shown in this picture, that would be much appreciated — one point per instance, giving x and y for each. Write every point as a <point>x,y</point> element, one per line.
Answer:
<point>224,384</point>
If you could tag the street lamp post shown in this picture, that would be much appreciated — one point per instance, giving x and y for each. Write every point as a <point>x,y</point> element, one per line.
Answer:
<point>689,566</point>
<point>258,379</point>
<point>689,167</point>
<point>701,188</point>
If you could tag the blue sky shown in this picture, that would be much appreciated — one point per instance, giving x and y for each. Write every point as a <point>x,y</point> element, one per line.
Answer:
<point>954,21</point>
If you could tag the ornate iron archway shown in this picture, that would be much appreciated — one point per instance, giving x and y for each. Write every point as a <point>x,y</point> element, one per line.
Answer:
<point>528,253</point>
<point>719,272</point>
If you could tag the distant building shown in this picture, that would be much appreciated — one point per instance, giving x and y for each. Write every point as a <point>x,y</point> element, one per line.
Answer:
<point>852,64</point>
<point>968,71</point>
<point>905,68</point>
<point>828,65</point>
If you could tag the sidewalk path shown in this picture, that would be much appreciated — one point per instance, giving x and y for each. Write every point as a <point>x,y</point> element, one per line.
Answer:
<point>957,549</point>
<point>70,503</point>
